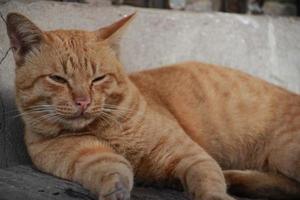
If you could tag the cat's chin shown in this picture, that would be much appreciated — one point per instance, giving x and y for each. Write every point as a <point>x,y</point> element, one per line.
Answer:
<point>77,123</point>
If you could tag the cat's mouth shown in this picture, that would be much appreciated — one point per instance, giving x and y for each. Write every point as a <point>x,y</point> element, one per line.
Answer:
<point>77,121</point>
<point>79,116</point>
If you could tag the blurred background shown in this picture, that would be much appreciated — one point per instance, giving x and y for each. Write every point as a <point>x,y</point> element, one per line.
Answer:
<point>257,7</point>
<point>269,7</point>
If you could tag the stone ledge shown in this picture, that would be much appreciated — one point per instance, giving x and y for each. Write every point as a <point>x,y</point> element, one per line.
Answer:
<point>25,183</point>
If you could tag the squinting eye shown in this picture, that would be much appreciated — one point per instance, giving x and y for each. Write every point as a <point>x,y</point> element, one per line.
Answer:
<point>58,79</point>
<point>99,78</point>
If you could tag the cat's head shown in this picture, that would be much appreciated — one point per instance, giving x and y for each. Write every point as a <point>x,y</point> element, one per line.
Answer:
<point>66,77</point>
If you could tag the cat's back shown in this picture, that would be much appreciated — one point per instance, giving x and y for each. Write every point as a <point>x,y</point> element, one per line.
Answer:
<point>205,82</point>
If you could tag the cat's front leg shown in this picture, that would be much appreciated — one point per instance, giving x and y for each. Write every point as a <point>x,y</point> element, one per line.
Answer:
<point>86,160</point>
<point>198,172</point>
<point>202,177</point>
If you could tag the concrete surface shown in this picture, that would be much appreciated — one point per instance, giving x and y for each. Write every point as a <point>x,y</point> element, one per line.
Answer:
<point>264,46</point>
<point>26,183</point>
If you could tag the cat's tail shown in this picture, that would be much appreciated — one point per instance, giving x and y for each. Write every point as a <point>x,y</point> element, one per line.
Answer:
<point>255,184</point>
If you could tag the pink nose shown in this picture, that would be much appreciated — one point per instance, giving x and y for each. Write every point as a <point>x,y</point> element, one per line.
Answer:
<point>83,102</point>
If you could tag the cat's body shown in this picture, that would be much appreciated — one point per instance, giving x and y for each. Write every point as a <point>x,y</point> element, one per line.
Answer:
<point>87,121</point>
<point>220,109</point>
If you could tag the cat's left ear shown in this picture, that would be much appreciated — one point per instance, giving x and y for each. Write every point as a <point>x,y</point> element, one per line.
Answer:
<point>112,33</point>
<point>24,36</point>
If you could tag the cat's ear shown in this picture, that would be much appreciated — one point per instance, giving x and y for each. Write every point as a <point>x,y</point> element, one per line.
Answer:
<point>24,36</point>
<point>113,32</point>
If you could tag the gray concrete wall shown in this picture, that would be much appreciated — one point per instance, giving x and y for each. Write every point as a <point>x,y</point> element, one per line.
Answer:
<point>263,46</point>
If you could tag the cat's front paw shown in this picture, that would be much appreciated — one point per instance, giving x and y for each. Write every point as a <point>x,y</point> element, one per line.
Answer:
<point>114,187</point>
<point>213,196</point>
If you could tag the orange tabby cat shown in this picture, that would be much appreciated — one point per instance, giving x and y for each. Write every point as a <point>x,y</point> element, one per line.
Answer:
<point>87,121</point>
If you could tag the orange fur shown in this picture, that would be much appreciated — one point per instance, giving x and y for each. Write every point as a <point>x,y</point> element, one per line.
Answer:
<point>184,122</point>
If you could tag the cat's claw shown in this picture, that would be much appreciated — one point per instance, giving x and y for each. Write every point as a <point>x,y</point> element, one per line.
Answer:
<point>118,194</point>
<point>114,189</point>
<point>219,197</point>
<point>215,197</point>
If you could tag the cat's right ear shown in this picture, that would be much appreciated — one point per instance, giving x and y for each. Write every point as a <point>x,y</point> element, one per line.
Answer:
<point>112,33</point>
<point>24,36</point>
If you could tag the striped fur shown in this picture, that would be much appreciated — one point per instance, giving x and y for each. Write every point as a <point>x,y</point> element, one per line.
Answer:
<point>212,128</point>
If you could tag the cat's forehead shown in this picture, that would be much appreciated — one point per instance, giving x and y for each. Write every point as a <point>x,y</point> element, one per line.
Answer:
<point>65,35</point>
<point>72,43</point>
<point>71,51</point>
<point>71,38</point>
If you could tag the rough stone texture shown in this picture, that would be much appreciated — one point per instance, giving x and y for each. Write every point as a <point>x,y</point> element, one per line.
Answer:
<point>266,47</point>
<point>26,183</point>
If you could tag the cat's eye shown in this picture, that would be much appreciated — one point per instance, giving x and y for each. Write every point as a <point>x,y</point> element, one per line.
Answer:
<point>99,78</point>
<point>58,79</point>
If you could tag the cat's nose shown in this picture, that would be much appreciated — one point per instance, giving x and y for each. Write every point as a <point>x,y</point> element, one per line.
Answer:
<point>83,102</point>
